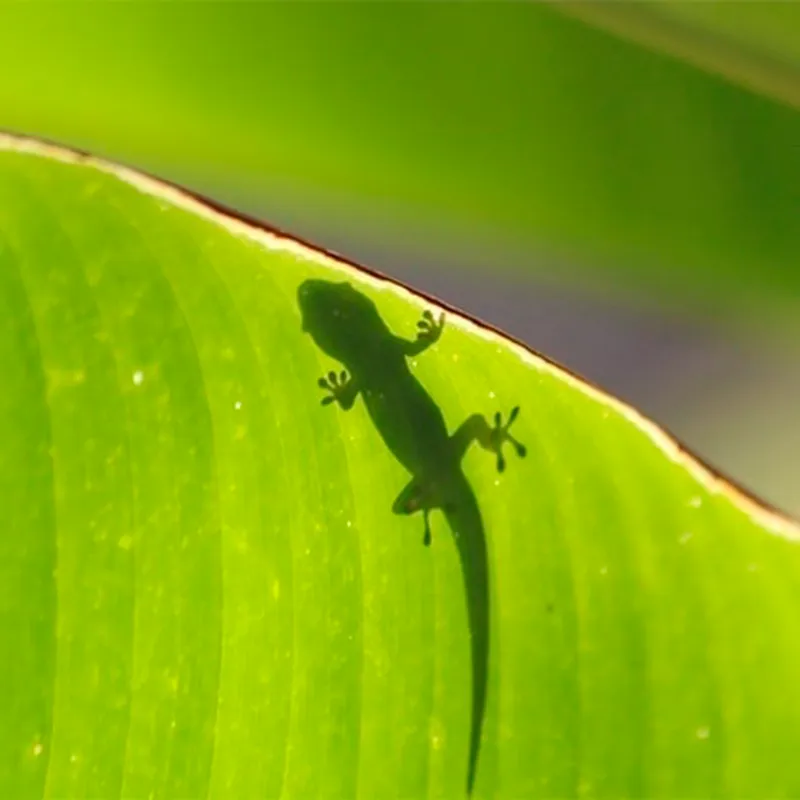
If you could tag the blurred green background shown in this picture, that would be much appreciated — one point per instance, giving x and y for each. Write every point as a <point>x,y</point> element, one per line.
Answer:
<point>618,185</point>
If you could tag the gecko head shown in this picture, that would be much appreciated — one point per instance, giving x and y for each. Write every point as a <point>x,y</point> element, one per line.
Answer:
<point>339,318</point>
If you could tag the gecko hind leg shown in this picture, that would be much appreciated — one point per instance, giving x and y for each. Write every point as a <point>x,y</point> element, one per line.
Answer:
<point>477,429</point>
<point>414,497</point>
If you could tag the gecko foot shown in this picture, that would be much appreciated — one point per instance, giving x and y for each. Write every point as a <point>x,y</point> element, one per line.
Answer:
<point>337,385</point>
<point>429,329</point>
<point>500,435</point>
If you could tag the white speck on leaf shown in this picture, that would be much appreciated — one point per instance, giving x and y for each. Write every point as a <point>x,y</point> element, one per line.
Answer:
<point>703,733</point>
<point>752,567</point>
<point>138,377</point>
<point>238,405</point>
<point>37,748</point>
<point>684,537</point>
<point>604,571</point>
<point>696,501</point>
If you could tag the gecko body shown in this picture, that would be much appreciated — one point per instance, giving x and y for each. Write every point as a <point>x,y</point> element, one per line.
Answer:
<point>346,325</point>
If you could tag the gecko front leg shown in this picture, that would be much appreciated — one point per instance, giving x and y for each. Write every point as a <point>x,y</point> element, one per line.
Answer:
<point>429,329</point>
<point>342,388</point>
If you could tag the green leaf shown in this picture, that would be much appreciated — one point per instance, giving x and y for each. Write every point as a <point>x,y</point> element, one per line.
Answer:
<point>493,133</point>
<point>204,589</point>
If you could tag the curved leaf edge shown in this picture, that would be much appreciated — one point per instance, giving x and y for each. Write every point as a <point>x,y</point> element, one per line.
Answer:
<point>270,237</point>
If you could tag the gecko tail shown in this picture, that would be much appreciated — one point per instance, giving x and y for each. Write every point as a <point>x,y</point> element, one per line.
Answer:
<point>464,518</point>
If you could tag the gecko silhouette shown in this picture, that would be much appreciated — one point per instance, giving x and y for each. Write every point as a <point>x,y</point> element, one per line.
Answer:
<point>346,325</point>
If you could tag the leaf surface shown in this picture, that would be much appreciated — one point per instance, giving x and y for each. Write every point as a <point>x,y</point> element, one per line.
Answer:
<point>204,590</point>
